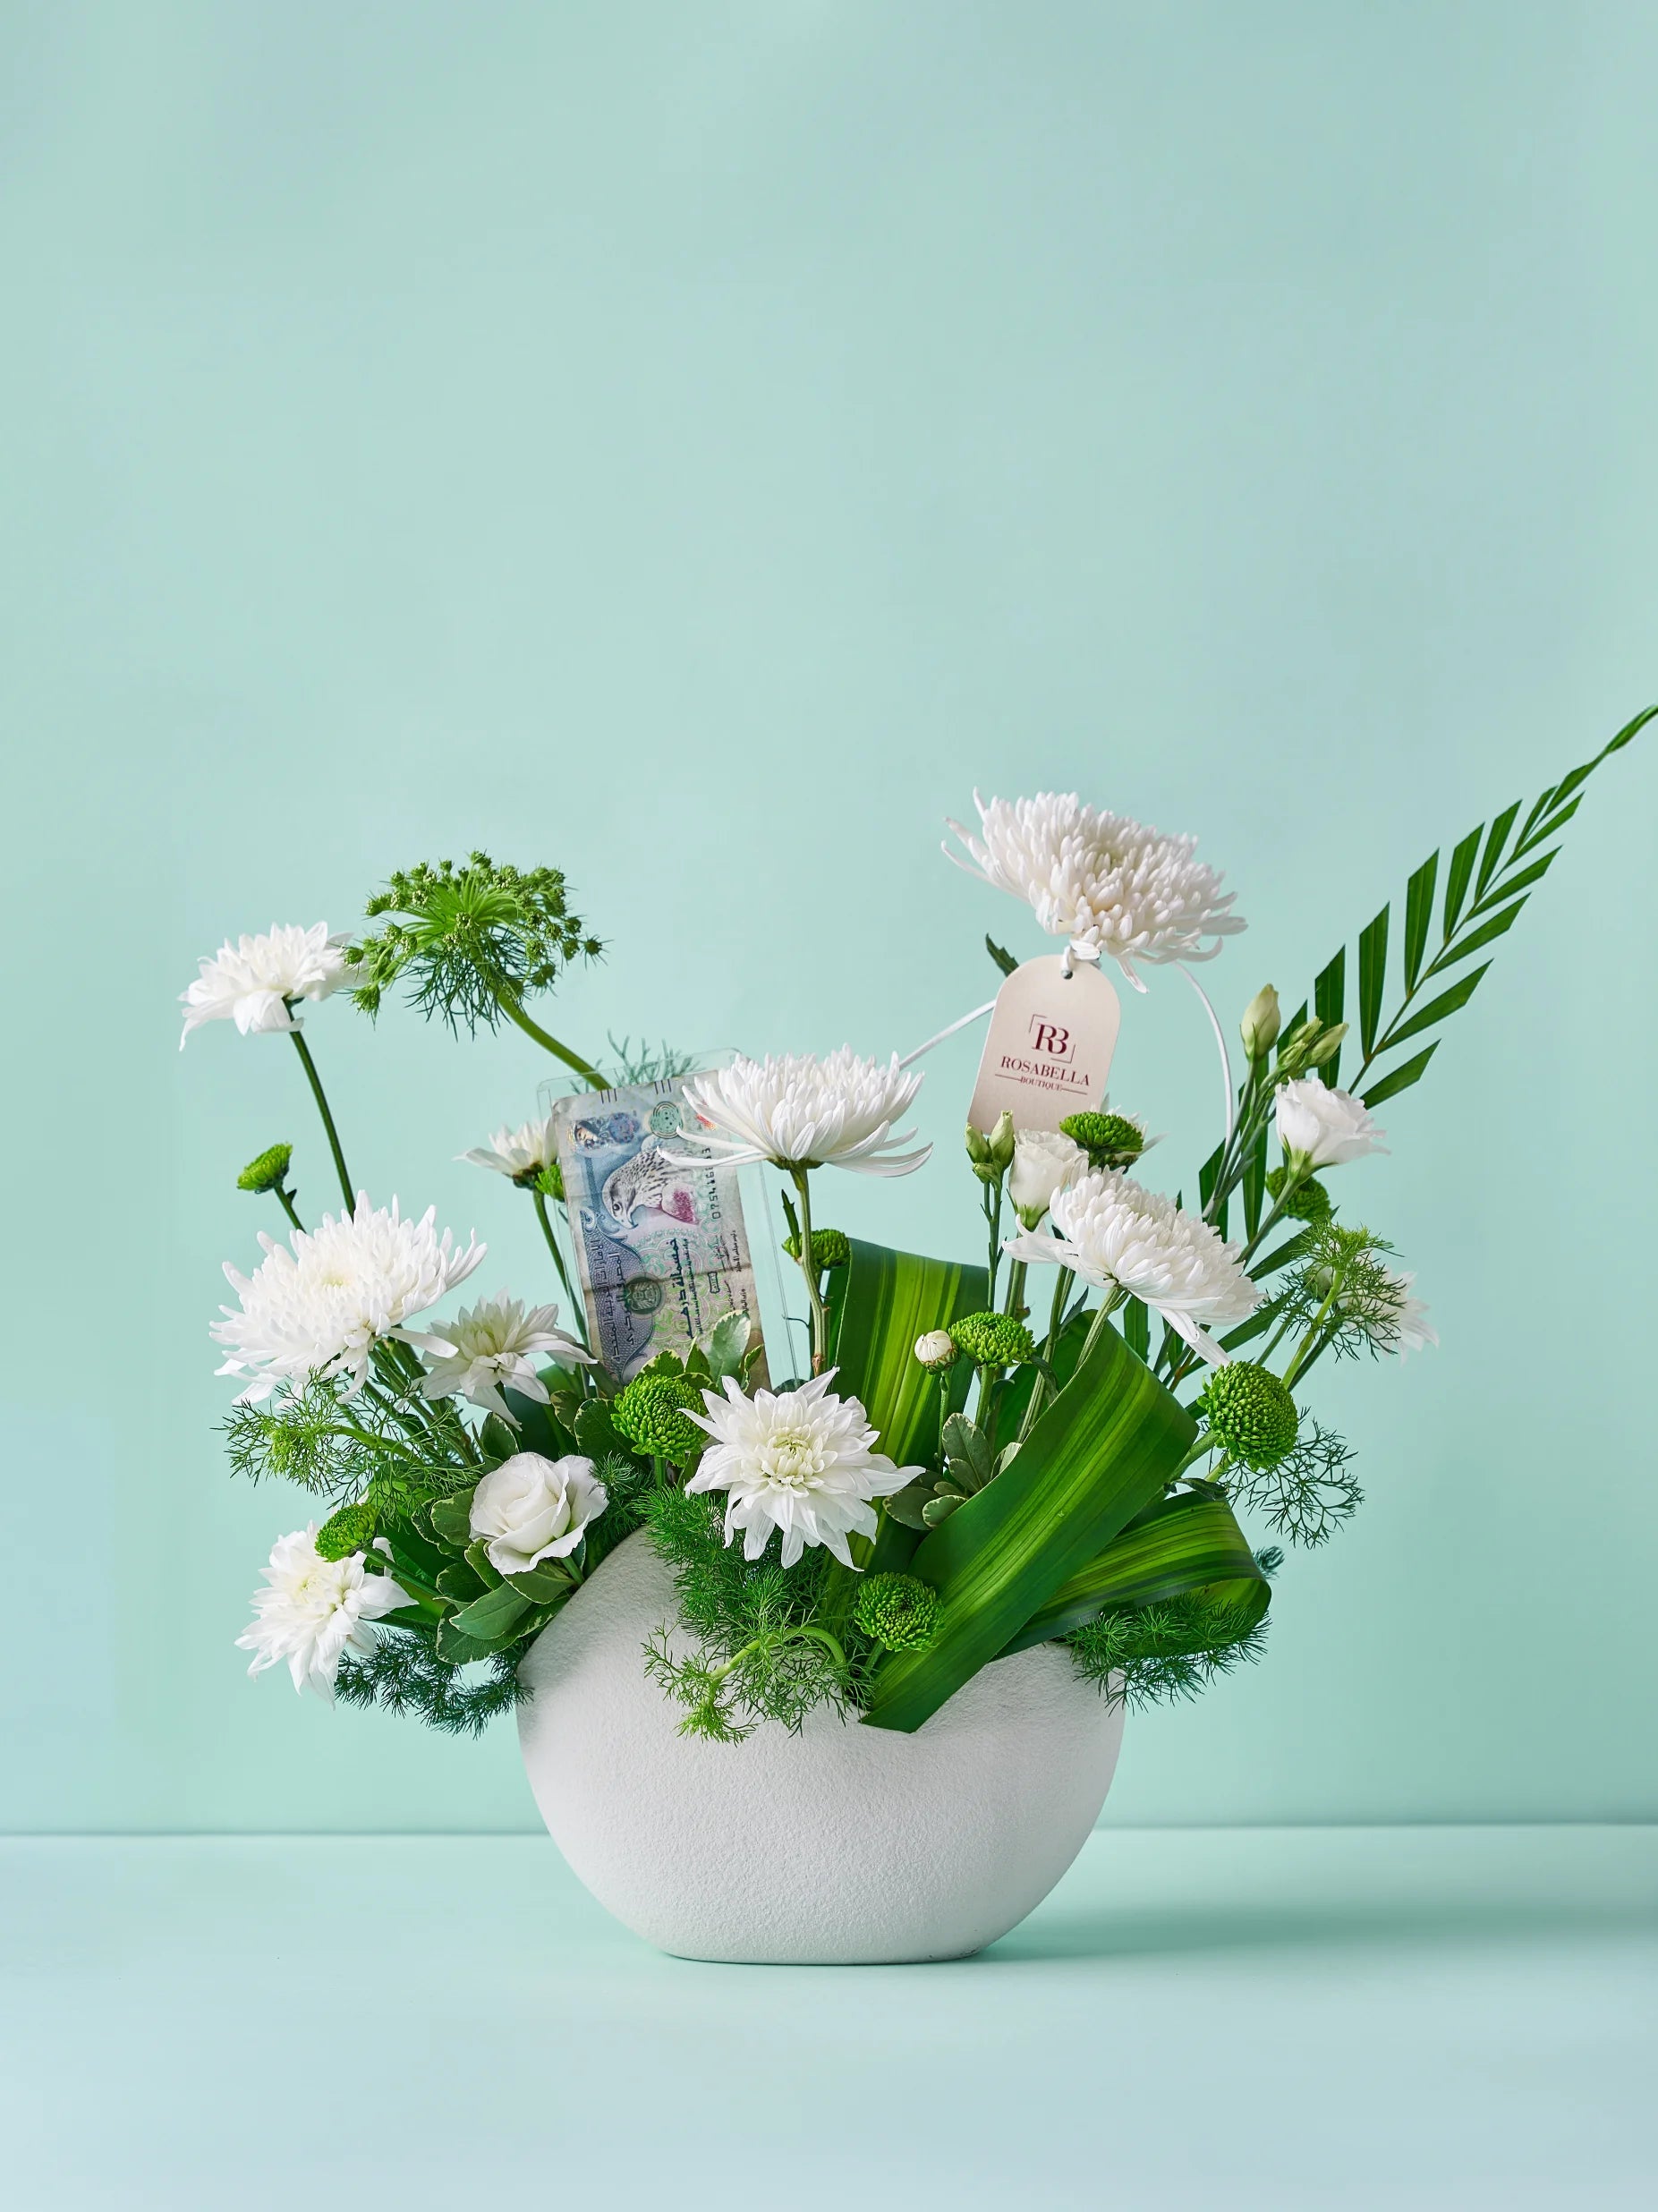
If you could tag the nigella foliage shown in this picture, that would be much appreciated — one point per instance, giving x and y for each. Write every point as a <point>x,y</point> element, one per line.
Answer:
<point>344,1449</point>
<point>1309,1493</point>
<point>1153,1654</point>
<point>1344,1290</point>
<point>403,1673</point>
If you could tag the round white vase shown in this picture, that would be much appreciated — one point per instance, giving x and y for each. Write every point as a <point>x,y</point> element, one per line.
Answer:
<point>842,1846</point>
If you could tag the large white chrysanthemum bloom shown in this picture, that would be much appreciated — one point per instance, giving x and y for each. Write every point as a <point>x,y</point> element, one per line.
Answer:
<point>1319,1127</point>
<point>1116,888</point>
<point>494,1342</point>
<point>800,1111</point>
<point>312,1611</point>
<point>1118,1236</point>
<point>252,981</point>
<point>799,1460</point>
<point>320,1308</point>
<point>522,1152</point>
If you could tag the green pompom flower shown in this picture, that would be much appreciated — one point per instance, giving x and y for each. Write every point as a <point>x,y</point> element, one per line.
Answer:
<point>269,1171</point>
<point>898,1611</point>
<point>830,1247</point>
<point>652,1411</point>
<point>1109,1140</point>
<point>1250,1412</point>
<point>1308,1202</point>
<point>993,1339</point>
<point>350,1529</point>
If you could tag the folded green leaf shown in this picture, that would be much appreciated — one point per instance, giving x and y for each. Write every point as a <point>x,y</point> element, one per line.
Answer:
<point>1458,877</point>
<point>1436,1010</point>
<point>880,1303</point>
<point>459,1584</point>
<point>1183,1544</point>
<point>492,1618</point>
<point>450,1519</point>
<point>1401,1078</point>
<point>1373,977</point>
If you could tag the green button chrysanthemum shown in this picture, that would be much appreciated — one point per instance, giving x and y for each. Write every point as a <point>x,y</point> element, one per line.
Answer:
<point>830,1247</point>
<point>993,1339</point>
<point>651,1413</point>
<point>1250,1412</point>
<point>350,1529</point>
<point>1109,1140</point>
<point>898,1611</point>
<point>268,1172</point>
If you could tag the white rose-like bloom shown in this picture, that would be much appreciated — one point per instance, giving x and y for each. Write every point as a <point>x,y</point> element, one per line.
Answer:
<point>491,1344</point>
<point>1112,885</point>
<point>1319,1127</point>
<point>799,1460</point>
<point>312,1611</point>
<point>530,1509</point>
<point>251,982</point>
<point>1043,1160</point>
<point>320,1308</point>
<point>522,1152</point>
<point>800,1111</point>
<point>1117,1235</point>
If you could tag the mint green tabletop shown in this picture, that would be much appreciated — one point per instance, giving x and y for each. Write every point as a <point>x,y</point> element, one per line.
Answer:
<point>1230,2019</point>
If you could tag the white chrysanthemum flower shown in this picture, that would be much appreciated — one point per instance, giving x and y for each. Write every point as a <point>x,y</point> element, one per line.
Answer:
<point>492,1343</point>
<point>1043,1160</point>
<point>800,1111</point>
<point>252,981</point>
<point>1110,885</point>
<point>522,1152</point>
<point>1118,1236</point>
<point>1406,1328</point>
<point>313,1610</point>
<point>1319,1127</point>
<point>320,1308</point>
<point>799,1461</point>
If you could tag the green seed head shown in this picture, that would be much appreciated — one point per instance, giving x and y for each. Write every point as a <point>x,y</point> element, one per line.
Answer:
<point>830,1247</point>
<point>993,1339</point>
<point>1109,1140</point>
<point>651,1413</point>
<point>898,1611</point>
<point>269,1171</point>
<point>350,1529</point>
<point>1250,1412</point>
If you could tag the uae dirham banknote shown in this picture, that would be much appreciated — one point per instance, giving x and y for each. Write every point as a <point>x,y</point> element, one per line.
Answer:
<point>659,1236</point>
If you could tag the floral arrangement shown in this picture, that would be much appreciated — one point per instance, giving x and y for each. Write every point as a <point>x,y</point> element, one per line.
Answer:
<point>1099,1435</point>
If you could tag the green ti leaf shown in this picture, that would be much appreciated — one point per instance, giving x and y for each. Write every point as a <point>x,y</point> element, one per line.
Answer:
<point>1178,1546</point>
<point>879,1305</point>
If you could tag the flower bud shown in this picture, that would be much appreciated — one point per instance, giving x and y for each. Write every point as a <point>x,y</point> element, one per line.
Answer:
<point>935,1349</point>
<point>991,1153</point>
<point>1262,1022</point>
<point>268,1172</point>
<point>1326,1047</point>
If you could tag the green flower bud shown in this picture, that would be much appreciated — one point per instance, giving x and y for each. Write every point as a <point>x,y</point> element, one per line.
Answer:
<point>1249,1411</point>
<point>1327,1045</point>
<point>993,1339</point>
<point>350,1529</point>
<point>1109,1140</point>
<point>269,1171</point>
<point>1308,1202</point>
<point>900,1612</point>
<point>1261,1024</point>
<point>830,1247</point>
<point>991,1155</point>
<point>651,1413</point>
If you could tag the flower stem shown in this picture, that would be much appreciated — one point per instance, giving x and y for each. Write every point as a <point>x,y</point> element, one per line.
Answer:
<point>315,1080</point>
<point>286,1200</point>
<point>1044,1382</point>
<point>558,1261</point>
<point>1108,1306</point>
<point>513,1007</point>
<point>993,1222</point>
<point>809,1268</point>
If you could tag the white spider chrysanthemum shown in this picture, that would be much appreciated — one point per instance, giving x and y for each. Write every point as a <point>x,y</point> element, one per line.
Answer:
<point>800,1111</point>
<point>1407,1327</point>
<point>490,1344</point>
<point>1113,887</point>
<point>252,981</point>
<point>320,1308</point>
<point>799,1460</point>
<point>313,1610</point>
<point>1117,1235</point>
<point>522,1152</point>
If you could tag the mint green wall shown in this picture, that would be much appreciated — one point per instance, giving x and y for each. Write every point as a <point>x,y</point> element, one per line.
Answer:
<point>695,446</point>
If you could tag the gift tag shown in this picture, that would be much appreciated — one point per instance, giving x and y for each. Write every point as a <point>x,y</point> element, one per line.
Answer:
<point>1049,1046</point>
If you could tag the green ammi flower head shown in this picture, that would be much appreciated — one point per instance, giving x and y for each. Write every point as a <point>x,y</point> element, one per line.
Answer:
<point>269,1171</point>
<point>830,1247</point>
<point>898,1611</point>
<point>993,1339</point>
<point>1250,1412</point>
<point>651,1413</point>
<point>1109,1140</point>
<point>350,1529</point>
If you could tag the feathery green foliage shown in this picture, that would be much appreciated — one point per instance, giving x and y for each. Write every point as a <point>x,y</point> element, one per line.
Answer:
<point>1309,1493</point>
<point>1157,1653</point>
<point>403,1673</point>
<point>1344,1293</point>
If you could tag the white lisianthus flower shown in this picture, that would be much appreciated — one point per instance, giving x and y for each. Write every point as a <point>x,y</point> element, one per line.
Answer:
<point>799,1461</point>
<point>1118,1236</point>
<point>530,1509</point>
<point>800,1111</point>
<point>1319,1127</point>
<point>252,981</point>
<point>1113,887</point>
<point>312,1611</point>
<point>320,1308</point>
<point>492,1343</point>
<point>522,1152</point>
<point>1043,1160</point>
<point>936,1348</point>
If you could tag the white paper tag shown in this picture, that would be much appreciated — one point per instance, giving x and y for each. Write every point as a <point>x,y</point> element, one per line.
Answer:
<point>1048,1051</point>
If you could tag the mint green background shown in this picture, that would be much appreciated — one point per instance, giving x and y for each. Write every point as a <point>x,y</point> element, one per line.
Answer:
<point>696,445</point>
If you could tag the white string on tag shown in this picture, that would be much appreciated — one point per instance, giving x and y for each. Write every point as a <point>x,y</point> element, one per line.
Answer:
<point>1229,1107</point>
<point>978,1014</point>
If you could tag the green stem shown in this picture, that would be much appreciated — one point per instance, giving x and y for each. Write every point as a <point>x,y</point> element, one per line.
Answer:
<point>286,1200</point>
<point>315,1080</point>
<point>1063,1278</point>
<point>809,1268</point>
<point>542,1216</point>
<point>1015,1302</point>
<point>1108,1306</point>
<point>514,1010</point>
<point>993,1221</point>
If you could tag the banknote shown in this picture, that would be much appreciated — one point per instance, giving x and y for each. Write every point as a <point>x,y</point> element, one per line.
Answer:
<point>660,1243</point>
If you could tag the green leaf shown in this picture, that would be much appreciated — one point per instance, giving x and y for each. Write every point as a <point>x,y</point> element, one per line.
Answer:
<point>597,1436</point>
<point>1418,917</point>
<point>542,1586</point>
<point>886,1300</point>
<point>492,1618</point>
<point>939,1509</point>
<point>482,1564</point>
<point>459,1584</point>
<point>968,1453</point>
<point>1401,1078</point>
<point>1003,959</point>
<point>1328,1000</point>
<point>1495,845</point>
<point>451,1518</point>
<point>1546,829</point>
<point>1183,1544</point>
<point>1498,926</point>
<point>1137,1328</point>
<point>1457,881</point>
<point>726,1342</point>
<point>537,1429</point>
<point>458,1648</point>
<point>907,1506</point>
<point>1436,1009</point>
<point>1372,978</point>
<point>1255,1184</point>
<point>1099,1453</point>
<point>1511,884</point>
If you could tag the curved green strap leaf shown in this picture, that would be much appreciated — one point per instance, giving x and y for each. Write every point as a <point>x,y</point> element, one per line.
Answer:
<point>1184,1544</point>
<point>886,1300</point>
<point>1100,1454</point>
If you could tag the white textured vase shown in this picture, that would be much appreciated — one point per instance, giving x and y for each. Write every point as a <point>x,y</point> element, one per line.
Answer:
<point>842,1846</point>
